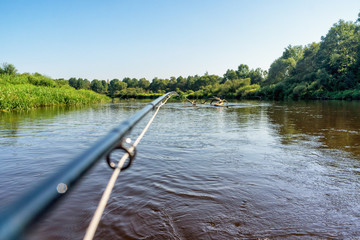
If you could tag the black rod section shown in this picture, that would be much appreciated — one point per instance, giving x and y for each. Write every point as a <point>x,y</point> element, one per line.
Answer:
<point>18,216</point>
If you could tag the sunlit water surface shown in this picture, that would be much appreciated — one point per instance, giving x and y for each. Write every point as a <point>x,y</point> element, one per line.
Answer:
<point>254,170</point>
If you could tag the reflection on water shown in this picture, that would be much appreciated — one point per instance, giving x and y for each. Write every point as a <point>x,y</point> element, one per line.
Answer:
<point>332,124</point>
<point>34,143</point>
<point>10,121</point>
<point>255,170</point>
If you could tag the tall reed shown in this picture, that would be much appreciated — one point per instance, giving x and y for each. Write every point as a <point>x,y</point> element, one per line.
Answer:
<point>27,91</point>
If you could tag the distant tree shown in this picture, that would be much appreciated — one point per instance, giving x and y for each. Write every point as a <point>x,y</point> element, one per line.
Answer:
<point>306,68</point>
<point>8,69</point>
<point>243,71</point>
<point>97,86</point>
<point>205,81</point>
<point>294,52</point>
<point>86,84</point>
<point>181,83</point>
<point>144,84</point>
<point>339,53</point>
<point>230,75</point>
<point>79,83</point>
<point>127,80</point>
<point>131,82</point>
<point>134,83</point>
<point>190,81</point>
<point>73,82</point>
<point>61,82</point>
<point>158,85</point>
<point>282,67</point>
<point>257,76</point>
<point>115,87</point>
<point>172,85</point>
<point>105,86</point>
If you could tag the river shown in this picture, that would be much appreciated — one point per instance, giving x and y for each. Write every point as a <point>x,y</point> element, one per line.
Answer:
<point>255,170</point>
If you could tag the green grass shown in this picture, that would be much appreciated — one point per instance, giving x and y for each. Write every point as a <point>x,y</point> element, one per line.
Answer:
<point>350,94</point>
<point>30,91</point>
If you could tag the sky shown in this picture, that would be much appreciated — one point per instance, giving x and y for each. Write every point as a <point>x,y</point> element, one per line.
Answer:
<point>158,38</point>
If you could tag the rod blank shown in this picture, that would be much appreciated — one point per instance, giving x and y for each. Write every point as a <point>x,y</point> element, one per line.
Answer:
<point>17,217</point>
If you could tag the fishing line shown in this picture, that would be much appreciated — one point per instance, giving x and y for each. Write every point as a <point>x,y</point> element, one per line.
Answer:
<point>90,232</point>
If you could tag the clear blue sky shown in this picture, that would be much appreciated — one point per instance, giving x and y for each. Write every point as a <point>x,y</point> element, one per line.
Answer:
<point>158,38</point>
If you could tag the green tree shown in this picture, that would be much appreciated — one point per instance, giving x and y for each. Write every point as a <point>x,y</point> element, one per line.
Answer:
<point>144,84</point>
<point>79,83</point>
<point>97,86</point>
<point>181,83</point>
<point>61,82</point>
<point>204,81</point>
<point>294,52</point>
<point>190,82</point>
<point>83,84</point>
<point>73,82</point>
<point>131,82</point>
<point>307,66</point>
<point>230,75</point>
<point>157,85</point>
<point>115,87</point>
<point>338,54</point>
<point>243,71</point>
<point>8,69</point>
<point>105,86</point>
<point>282,67</point>
<point>86,84</point>
<point>279,70</point>
<point>172,85</point>
<point>257,76</point>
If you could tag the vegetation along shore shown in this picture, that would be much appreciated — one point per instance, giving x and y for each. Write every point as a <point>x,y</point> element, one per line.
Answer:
<point>25,91</point>
<point>329,69</point>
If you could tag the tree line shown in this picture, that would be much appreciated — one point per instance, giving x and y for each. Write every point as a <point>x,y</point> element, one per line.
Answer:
<point>329,69</point>
<point>193,86</point>
<point>26,91</point>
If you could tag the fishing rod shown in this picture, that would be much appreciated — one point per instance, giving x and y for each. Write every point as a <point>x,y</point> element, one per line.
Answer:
<point>17,217</point>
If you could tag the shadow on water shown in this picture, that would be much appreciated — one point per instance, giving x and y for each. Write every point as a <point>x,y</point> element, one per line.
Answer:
<point>35,143</point>
<point>11,121</point>
<point>333,124</point>
<point>255,170</point>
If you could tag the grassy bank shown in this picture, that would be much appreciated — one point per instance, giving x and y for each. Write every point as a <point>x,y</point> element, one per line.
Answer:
<point>25,91</point>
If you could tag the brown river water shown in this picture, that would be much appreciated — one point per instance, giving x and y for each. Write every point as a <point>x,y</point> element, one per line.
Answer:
<point>255,170</point>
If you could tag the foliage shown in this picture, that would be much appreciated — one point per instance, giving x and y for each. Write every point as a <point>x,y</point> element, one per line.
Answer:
<point>326,70</point>
<point>329,69</point>
<point>257,75</point>
<point>25,91</point>
<point>115,87</point>
<point>283,67</point>
<point>79,83</point>
<point>8,69</point>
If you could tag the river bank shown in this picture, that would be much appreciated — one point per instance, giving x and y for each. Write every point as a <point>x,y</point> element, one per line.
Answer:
<point>25,91</point>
